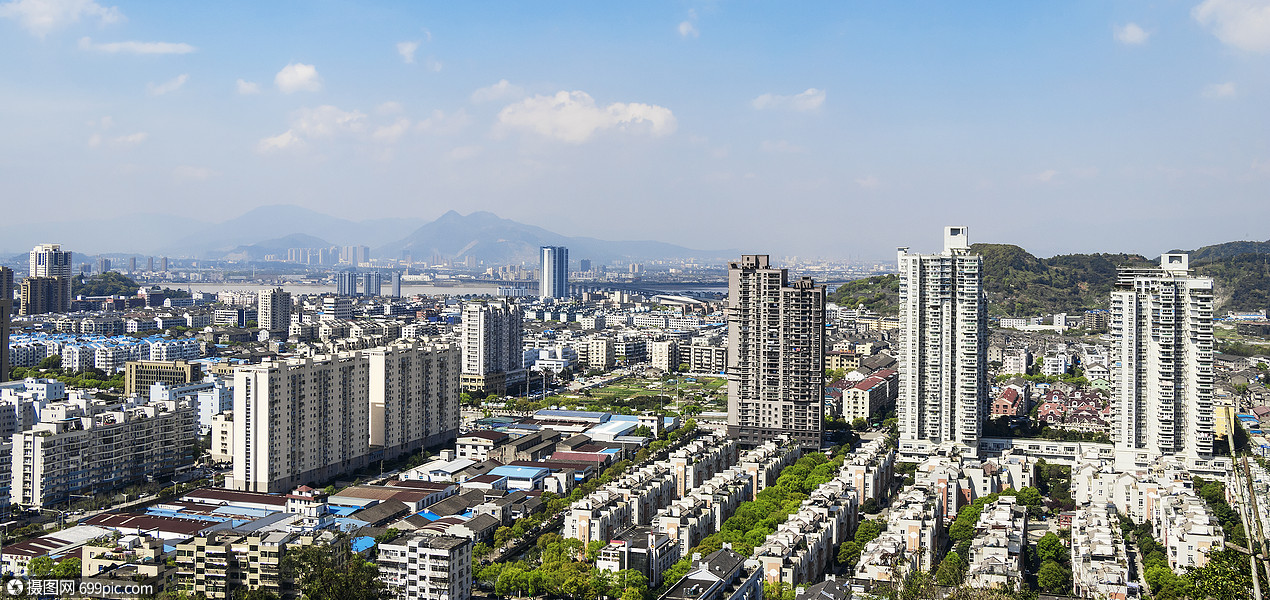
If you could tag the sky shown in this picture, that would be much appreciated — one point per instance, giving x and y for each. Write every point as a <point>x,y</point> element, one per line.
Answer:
<point>817,129</point>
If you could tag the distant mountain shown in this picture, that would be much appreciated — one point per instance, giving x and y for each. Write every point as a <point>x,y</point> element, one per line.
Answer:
<point>276,246</point>
<point>495,240</point>
<point>264,223</point>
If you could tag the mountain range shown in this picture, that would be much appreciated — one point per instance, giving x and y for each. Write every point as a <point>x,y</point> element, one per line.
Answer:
<point>274,229</point>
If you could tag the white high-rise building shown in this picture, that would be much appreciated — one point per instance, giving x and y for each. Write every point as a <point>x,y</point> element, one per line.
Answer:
<point>274,310</point>
<point>48,260</point>
<point>943,347</point>
<point>1162,363</point>
<point>493,352</point>
<point>554,282</point>
<point>776,354</point>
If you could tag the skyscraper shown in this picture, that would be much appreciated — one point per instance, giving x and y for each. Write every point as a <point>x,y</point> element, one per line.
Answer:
<point>103,265</point>
<point>493,358</point>
<point>395,277</point>
<point>943,347</point>
<point>42,295</point>
<point>555,272</point>
<point>1162,363</point>
<point>775,371</point>
<point>132,264</point>
<point>48,260</point>
<point>163,264</point>
<point>273,311</point>
<point>6,310</point>
<point>150,264</point>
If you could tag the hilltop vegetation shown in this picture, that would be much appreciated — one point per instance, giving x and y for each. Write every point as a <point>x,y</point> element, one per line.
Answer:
<point>1242,282</point>
<point>111,283</point>
<point>880,293</point>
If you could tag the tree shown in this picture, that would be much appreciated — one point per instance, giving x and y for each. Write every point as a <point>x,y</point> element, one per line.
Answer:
<point>333,573</point>
<point>1226,575</point>
<point>1029,496</point>
<point>1053,577</point>
<point>40,566</point>
<point>870,507</point>
<point>849,554</point>
<point>51,362</point>
<point>255,594</point>
<point>860,424</point>
<point>951,570</point>
<point>67,569</point>
<point>1049,547</point>
<point>502,535</point>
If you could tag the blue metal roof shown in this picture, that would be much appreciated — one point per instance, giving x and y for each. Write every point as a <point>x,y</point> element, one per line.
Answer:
<point>519,472</point>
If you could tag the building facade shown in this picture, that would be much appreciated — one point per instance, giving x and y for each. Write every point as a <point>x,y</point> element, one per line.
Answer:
<point>943,347</point>
<point>49,260</point>
<point>776,353</point>
<point>493,355</point>
<point>414,396</point>
<point>1162,363</point>
<point>427,567</point>
<point>6,312</point>
<point>273,312</point>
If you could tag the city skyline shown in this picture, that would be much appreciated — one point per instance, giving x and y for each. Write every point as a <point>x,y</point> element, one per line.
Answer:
<point>1099,114</point>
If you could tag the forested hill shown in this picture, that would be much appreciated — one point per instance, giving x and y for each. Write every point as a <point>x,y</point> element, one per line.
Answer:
<point>1020,284</point>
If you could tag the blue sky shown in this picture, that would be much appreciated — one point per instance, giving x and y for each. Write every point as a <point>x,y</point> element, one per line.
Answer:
<point>812,129</point>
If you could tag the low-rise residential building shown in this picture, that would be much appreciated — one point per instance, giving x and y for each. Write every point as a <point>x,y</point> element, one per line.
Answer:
<point>219,563</point>
<point>996,552</point>
<point>1100,566</point>
<point>427,567</point>
<point>720,575</point>
<point>640,549</point>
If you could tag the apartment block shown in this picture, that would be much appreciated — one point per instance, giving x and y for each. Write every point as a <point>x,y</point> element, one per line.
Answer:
<point>427,567</point>
<point>6,313</point>
<point>85,447</point>
<point>414,395</point>
<point>492,339</point>
<point>720,575</point>
<point>220,563</point>
<point>776,356</point>
<point>1162,363</point>
<point>640,549</point>
<point>140,375</point>
<point>996,551</point>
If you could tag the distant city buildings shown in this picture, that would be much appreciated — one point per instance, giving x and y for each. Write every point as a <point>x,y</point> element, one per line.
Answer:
<point>49,260</point>
<point>943,343</point>
<point>1162,363</point>
<point>775,364</point>
<point>554,270</point>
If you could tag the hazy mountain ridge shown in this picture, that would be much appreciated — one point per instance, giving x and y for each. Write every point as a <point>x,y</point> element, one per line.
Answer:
<point>494,240</point>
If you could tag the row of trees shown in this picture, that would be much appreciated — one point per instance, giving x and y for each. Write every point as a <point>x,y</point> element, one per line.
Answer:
<point>51,368</point>
<point>1226,575</point>
<point>563,567</point>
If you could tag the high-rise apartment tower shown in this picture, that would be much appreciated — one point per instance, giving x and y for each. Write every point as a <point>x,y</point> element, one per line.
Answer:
<point>554,281</point>
<point>274,310</point>
<point>48,260</point>
<point>775,371</point>
<point>1162,363</point>
<point>493,356</point>
<point>943,347</point>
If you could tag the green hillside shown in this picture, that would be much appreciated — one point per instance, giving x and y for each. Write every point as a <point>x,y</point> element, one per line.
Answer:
<point>1242,283</point>
<point>112,283</point>
<point>880,293</point>
<point>1216,252</point>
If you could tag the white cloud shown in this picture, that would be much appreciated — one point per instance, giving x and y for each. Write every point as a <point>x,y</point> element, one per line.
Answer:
<point>1243,24</point>
<point>574,117</point>
<point>440,123</point>
<point>390,133</point>
<point>86,43</point>
<point>42,16</point>
<point>809,100</point>
<point>498,91</point>
<point>190,173</point>
<point>167,87</point>
<point>782,146</point>
<point>298,77</point>
<point>407,51</point>
<point>248,87</point>
<point>94,140</point>
<point>868,183</point>
<point>1220,90</point>
<point>323,122</point>
<point>433,65</point>
<point>132,139</point>
<point>464,152</point>
<point>1046,176</point>
<point>688,27</point>
<point>1131,34</point>
<point>326,121</point>
<point>282,141</point>
<point>390,107</point>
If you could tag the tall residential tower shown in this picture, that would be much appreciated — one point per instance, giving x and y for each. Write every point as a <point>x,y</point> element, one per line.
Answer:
<point>776,332</point>
<point>48,260</point>
<point>943,340</point>
<point>1162,363</point>
<point>493,358</point>
<point>554,282</point>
